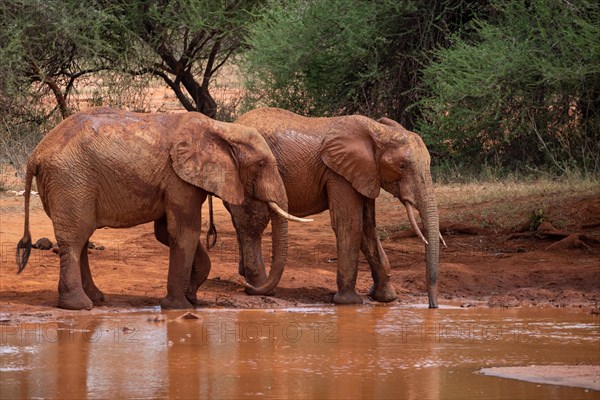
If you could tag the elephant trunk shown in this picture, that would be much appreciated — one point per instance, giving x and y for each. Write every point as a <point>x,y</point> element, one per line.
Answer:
<point>280,243</point>
<point>431,223</point>
<point>428,210</point>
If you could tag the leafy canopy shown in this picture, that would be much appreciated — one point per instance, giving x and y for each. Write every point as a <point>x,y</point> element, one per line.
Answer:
<point>312,56</point>
<point>523,89</point>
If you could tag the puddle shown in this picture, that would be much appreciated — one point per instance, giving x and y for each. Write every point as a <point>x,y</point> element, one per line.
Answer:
<point>325,352</point>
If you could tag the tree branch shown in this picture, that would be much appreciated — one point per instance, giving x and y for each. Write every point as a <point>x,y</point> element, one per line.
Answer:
<point>208,71</point>
<point>73,77</point>
<point>174,85</point>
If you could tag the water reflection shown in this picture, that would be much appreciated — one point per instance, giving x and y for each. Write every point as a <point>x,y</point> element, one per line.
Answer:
<point>333,352</point>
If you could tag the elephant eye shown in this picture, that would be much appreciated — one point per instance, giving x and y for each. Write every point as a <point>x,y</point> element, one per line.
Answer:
<point>261,163</point>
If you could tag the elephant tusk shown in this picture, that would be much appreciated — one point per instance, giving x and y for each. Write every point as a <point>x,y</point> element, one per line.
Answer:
<point>285,215</point>
<point>413,222</point>
<point>442,240</point>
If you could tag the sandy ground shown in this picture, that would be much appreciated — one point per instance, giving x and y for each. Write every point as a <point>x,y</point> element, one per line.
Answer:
<point>485,264</point>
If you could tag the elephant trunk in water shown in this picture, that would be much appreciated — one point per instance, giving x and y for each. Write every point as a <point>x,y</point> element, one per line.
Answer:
<point>280,243</point>
<point>429,215</point>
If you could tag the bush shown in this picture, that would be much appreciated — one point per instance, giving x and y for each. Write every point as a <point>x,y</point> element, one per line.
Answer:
<point>311,57</point>
<point>522,91</point>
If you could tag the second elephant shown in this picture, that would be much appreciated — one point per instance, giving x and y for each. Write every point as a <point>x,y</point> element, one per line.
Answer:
<point>341,164</point>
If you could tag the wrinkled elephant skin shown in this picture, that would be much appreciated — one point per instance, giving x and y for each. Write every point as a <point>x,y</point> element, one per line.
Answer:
<point>110,168</point>
<point>341,164</point>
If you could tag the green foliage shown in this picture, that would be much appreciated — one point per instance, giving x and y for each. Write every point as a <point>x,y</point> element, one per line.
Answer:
<point>312,56</point>
<point>535,219</point>
<point>344,56</point>
<point>523,90</point>
<point>184,42</point>
<point>45,46</point>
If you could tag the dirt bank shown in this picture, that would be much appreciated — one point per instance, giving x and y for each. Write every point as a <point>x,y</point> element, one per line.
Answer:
<point>493,258</point>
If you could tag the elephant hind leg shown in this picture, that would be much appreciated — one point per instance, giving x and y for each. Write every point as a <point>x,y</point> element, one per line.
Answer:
<point>89,287</point>
<point>200,271</point>
<point>382,289</point>
<point>71,295</point>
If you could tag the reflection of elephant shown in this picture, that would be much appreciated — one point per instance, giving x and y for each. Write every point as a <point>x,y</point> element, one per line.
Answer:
<point>109,168</point>
<point>340,164</point>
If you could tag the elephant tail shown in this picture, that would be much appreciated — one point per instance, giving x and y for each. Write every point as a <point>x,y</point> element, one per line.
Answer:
<point>211,235</point>
<point>24,245</point>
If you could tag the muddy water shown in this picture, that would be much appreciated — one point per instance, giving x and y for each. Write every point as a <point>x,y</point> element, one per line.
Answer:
<point>330,352</point>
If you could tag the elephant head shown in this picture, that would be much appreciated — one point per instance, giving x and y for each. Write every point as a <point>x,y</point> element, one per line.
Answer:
<point>234,162</point>
<point>373,155</point>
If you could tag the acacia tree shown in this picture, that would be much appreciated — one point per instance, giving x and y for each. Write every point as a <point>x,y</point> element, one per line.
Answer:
<point>45,47</point>
<point>184,42</point>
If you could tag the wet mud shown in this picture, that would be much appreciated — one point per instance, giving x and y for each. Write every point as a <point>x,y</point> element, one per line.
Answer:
<point>309,352</point>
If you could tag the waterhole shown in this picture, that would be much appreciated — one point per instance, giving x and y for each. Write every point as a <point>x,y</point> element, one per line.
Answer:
<point>324,352</point>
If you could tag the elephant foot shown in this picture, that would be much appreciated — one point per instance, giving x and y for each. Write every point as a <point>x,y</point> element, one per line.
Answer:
<point>77,300</point>
<point>192,297</point>
<point>347,296</point>
<point>95,295</point>
<point>175,303</point>
<point>385,293</point>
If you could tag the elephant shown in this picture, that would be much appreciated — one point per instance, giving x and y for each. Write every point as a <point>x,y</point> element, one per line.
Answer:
<point>340,164</point>
<point>112,168</point>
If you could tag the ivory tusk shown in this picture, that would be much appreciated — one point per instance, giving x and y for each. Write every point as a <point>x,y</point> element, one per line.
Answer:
<point>442,240</point>
<point>413,222</point>
<point>285,215</point>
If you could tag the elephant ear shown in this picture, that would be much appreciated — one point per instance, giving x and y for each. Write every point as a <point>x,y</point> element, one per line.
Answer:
<point>389,122</point>
<point>352,155</point>
<point>203,157</point>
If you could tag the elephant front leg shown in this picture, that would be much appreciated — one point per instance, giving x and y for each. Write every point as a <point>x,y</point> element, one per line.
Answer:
<point>346,211</point>
<point>254,270</point>
<point>178,280</point>
<point>183,228</point>
<point>382,289</point>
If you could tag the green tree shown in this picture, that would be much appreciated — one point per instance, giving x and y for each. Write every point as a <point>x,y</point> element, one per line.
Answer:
<point>44,47</point>
<point>312,56</point>
<point>522,90</point>
<point>47,46</point>
<point>343,56</point>
<point>184,42</point>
